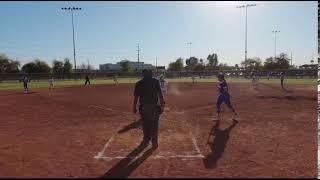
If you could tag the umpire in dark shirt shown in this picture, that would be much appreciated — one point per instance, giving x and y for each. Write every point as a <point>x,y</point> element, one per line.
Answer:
<point>148,92</point>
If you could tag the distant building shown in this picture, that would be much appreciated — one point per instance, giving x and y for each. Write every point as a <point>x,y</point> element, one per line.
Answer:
<point>309,66</point>
<point>160,68</point>
<point>117,66</point>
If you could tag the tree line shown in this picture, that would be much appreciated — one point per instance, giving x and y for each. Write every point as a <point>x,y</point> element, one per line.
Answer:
<point>8,65</point>
<point>282,62</point>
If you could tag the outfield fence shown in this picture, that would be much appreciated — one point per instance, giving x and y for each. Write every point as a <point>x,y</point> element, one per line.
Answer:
<point>168,74</point>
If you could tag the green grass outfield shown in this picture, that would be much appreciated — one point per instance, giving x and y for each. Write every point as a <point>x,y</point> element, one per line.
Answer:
<point>14,85</point>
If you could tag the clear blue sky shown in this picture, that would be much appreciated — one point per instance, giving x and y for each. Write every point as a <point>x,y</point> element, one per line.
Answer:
<point>106,32</point>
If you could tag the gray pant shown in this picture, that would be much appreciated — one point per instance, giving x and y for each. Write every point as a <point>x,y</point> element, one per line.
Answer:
<point>150,122</point>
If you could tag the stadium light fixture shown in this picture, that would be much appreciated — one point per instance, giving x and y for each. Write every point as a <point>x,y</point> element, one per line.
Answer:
<point>72,9</point>
<point>245,51</point>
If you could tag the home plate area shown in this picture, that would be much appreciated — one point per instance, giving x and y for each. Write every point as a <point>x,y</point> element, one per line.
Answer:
<point>176,140</point>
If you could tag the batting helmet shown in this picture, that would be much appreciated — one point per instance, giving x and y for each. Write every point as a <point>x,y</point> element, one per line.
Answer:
<point>221,76</point>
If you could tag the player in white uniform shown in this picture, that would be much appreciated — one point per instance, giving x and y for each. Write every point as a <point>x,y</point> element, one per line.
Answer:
<point>254,79</point>
<point>193,78</point>
<point>163,85</point>
<point>51,83</point>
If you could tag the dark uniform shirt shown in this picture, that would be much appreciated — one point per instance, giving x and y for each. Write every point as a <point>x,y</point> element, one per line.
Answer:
<point>25,80</point>
<point>223,87</point>
<point>147,89</point>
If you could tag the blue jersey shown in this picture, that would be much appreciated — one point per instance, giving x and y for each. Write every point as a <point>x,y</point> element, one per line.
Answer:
<point>223,87</point>
<point>25,80</point>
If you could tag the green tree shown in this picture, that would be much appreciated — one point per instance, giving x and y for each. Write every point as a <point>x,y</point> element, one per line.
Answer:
<point>8,65</point>
<point>269,64</point>
<point>125,65</point>
<point>224,66</point>
<point>67,66</point>
<point>37,66</point>
<point>42,66</point>
<point>212,61</point>
<point>191,63</point>
<point>199,67</point>
<point>29,67</point>
<point>57,67</point>
<point>177,65</point>
<point>282,61</point>
<point>13,67</point>
<point>252,63</point>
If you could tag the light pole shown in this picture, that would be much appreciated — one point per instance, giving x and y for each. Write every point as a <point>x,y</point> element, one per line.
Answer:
<point>275,43</point>
<point>72,9</point>
<point>245,51</point>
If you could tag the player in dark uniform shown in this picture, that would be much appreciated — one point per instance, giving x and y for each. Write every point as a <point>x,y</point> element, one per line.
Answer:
<point>87,80</point>
<point>25,82</point>
<point>282,79</point>
<point>224,96</point>
<point>148,92</point>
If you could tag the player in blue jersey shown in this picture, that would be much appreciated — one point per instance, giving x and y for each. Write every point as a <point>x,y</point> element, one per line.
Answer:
<point>224,96</point>
<point>25,82</point>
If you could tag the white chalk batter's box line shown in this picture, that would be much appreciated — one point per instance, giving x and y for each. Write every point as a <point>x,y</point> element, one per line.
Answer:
<point>183,157</point>
<point>100,155</point>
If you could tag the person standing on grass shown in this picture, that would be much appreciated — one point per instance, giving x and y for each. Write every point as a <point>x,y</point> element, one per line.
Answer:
<point>115,80</point>
<point>51,83</point>
<point>148,92</point>
<point>25,82</point>
<point>282,79</point>
<point>193,78</point>
<point>224,96</point>
<point>87,80</point>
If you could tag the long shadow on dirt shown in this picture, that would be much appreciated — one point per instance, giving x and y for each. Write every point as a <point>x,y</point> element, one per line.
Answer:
<point>18,93</point>
<point>277,88</point>
<point>126,166</point>
<point>218,145</point>
<point>292,98</point>
<point>134,125</point>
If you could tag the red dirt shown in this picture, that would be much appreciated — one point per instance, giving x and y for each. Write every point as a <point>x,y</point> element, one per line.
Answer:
<point>57,134</point>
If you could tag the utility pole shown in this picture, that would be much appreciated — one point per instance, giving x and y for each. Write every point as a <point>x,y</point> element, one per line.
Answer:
<point>156,62</point>
<point>138,56</point>
<point>72,9</point>
<point>246,36</point>
<point>275,43</point>
<point>291,58</point>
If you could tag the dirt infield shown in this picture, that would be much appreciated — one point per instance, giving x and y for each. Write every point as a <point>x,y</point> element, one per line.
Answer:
<point>89,132</point>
